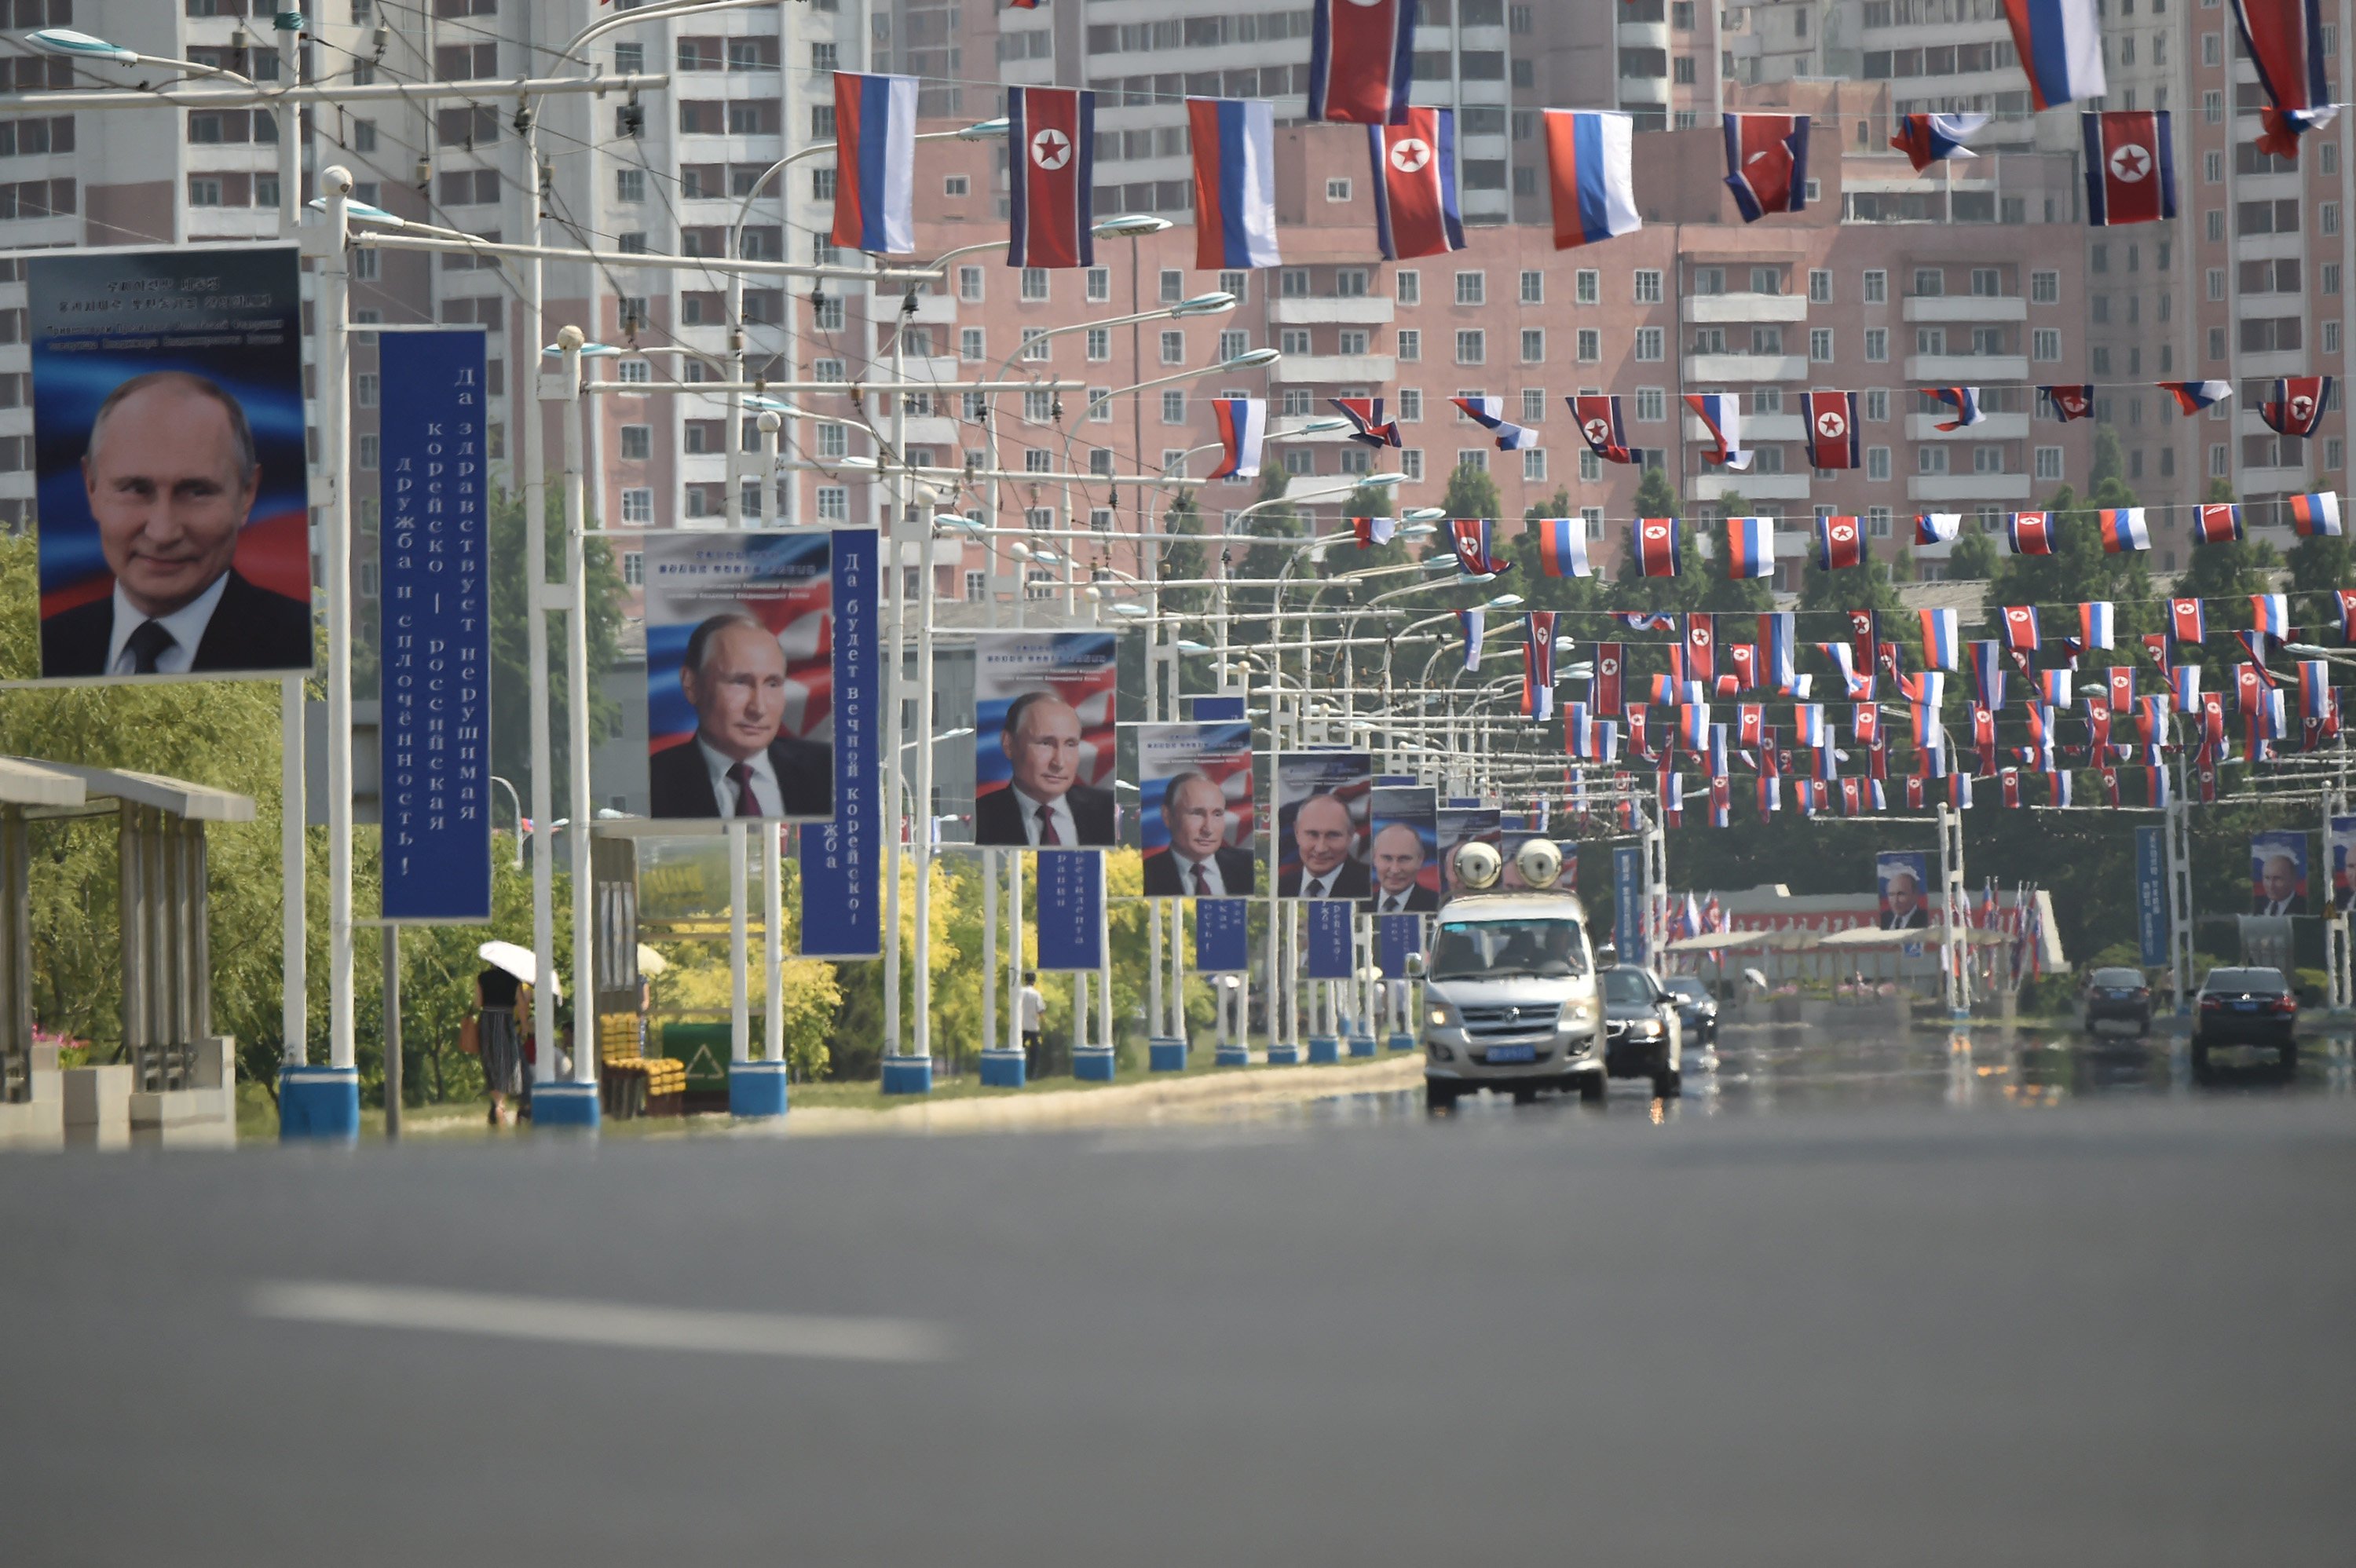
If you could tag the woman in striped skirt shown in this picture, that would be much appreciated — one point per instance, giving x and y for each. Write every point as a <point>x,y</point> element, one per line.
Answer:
<point>501,1045</point>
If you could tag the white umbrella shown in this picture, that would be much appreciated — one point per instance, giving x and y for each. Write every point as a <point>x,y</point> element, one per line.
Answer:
<point>1755,977</point>
<point>517,961</point>
<point>651,962</point>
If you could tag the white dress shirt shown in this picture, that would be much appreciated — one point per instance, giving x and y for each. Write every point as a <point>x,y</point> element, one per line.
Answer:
<point>723,788</point>
<point>186,623</point>
<point>1068,835</point>
<point>1209,871</point>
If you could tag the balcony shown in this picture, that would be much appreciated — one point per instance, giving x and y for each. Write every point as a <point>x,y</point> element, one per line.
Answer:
<point>1967,488</point>
<point>1709,309</point>
<point>1967,369</point>
<point>1717,483</point>
<point>1371,310</point>
<point>934,310</point>
<point>1644,91</point>
<point>935,430</point>
<point>1757,429</point>
<point>1707,368</point>
<point>1994,427</point>
<point>939,369</point>
<point>2254,365</point>
<point>2274,481</point>
<point>1342,370</point>
<point>1979,308</point>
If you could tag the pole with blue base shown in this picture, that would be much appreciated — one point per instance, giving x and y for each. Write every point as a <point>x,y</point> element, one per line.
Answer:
<point>318,1102</point>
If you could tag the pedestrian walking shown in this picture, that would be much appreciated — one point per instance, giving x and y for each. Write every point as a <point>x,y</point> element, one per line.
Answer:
<point>1035,1007</point>
<point>498,1045</point>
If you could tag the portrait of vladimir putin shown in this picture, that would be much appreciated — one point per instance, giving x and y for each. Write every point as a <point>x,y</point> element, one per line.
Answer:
<point>1323,835</point>
<point>1903,908</point>
<point>1046,805</point>
<point>171,476</point>
<point>741,762</point>
<point>1199,863</point>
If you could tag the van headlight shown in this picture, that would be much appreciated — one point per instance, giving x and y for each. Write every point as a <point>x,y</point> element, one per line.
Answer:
<point>1441,1016</point>
<point>1577,1019</point>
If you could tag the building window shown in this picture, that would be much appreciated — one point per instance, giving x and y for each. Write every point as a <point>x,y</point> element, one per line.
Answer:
<point>1591,467</point>
<point>1877,345</point>
<point>1877,286</point>
<point>637,442</point>
<point>1648,285</point>
<point>2045,343</point>
<point>1099,286</point>
<point>1410,344</point>
<point>1337,190</point>
<point>2049,463</point>
<point>1652,404</point>
<point>1411,461</point>
<point>833,503</point>
<point>1234,345</point>
<point>1649,342</point>
<point>638,506</point>
<point>1533,405</point>
<point>1034,284</point>
<point>970,343</point>
<point>1877,405</point>
<point>1820,344</point>
<point>1472,346</point>
<point>1476,458</point>
<point>969,284</point>
<point>1472,288</point>
<point>1586,286</point>
<point>2330,337</point>
<point>1100,405</point>
<point>1035,344</point>
<point>1877,463</point>
<point>1533,344</point>
<point>1533,464</point>
<point>1174,349</point>
<point>367,452</point>
<point>1820,286</point>
<point>1099,343</point>
<point>1407,284</point>
<point>1173,407</point>
<point>956,185</point>
<point>1533,288</point>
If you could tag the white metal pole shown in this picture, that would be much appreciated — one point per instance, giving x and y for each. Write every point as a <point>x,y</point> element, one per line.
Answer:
<point>772,941</point>
<point>295,1024</point>
<point>922,721</point>
<point>534,490</point>
<point>1104,952</point>
<point>1015,949</point>
<point>576,713</point>
<point>333,389</point>
<point>989,948</point>
<point>740,1003</point>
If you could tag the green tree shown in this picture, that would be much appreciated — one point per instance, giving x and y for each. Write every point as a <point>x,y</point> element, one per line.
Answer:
<point>1973,558</point>
<point>510,659</point>
<point>2318,566</point>
<point>1471,494</point>
<point>1719,591</point>
<point>1544,593</point>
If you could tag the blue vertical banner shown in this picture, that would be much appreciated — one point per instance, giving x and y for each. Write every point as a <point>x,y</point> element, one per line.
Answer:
<point>1400,935</point>
<point>1329,938</point>
<point>1222,935</point>
<point>1205,710</point>
<point>1070,908</point>
<point>434,628</point>
<point>842,911</point>
<point>2151,894</point>
<point>1628,902</point>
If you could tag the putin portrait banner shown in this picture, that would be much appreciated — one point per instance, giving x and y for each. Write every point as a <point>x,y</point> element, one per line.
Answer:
<point>1404,848</point>
<point>169,463</point>
<point>2278,872</point>
<point>1901,879</point>
<point>2340,855</point>
<point>1322,802</point>
<point>1194,809</point>
<point>740,675</point>
<point>1043,739</point>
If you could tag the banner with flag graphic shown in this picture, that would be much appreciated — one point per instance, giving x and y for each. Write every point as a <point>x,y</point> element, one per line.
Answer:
<point>1368,428</point>
<point>1597,417</point>
<point>2315,515</point>
<point>1235,182</point>
<point>1562,548</point>
<point>1243,431</point>
<point>1700,648</point>
<point>2123,529</point>
<point>875,163</point>
<point>1657,546</point>
<point>2074,401</point>
<point>1361,61</point>
<point>1372,531</point>
<point>2192,397</point>
<point>1925,139</point>
<point>1489,413</point>
<point>1767,163</point>
<point>1833,436</point>
<point>1416,211</point>
<point>1540,670</point>
<point>1052,132</point>
<point>1841,544</point>
<point>1987,673</point>
<point>2130,166</point>
<point>1471,539</point>
<point>1938,527</point>
<point>1721,415</point>
<point>1589,166</point>
<point>2347,604</point>
<point>2218,522</point>
<point>1742,660</point>
<point>2270,616</point>
<point>1964,401</point>
<point>1749,547</point>
<point>2059,45</point>
<point>2122,687</point>
<point>2028,533</point>
<point>2297,408</point>
<point>2284,40</point>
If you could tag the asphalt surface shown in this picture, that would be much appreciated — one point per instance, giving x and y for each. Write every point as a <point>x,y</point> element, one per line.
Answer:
<point>2084,1329</point>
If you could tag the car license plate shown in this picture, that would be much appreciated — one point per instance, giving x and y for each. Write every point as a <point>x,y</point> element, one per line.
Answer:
<point>1503,1053</point>
<point>2245,1007</point>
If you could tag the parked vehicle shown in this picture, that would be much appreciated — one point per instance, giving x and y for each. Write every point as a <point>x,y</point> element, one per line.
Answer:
<point>2115,997</point>
<point>2245,1007</point>
<point>1642,1031</point>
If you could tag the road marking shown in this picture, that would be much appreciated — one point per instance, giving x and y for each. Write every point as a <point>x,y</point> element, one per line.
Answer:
<point>618,1324</point>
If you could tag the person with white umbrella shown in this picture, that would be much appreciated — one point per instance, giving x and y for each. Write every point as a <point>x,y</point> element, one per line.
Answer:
<point>498,1044</point>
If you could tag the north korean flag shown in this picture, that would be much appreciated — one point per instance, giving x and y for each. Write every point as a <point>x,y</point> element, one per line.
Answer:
<point>1361,61</point>
<point>2297,408</point>
<point>1657,546</point>
<point>1832,438</point>
<point>1052,130</point>
<point>2028,533</point>
<point>2218,522</point>
<point>1742,659</point>
<point>1603,687</point>
<point>2187,621</point>
<point>1598,415</point>
<point>2075,401</point>
<point>1841,544</point>
<point>1767,163</point>
<point>1365,415</point>
<point>2284,39</point>
<point>2347,599</point>
<point>2020,627</point>
<point>1701,647</point>
<point>1416,213</point>
<point>2130,166</point>
<point>2123,691</point>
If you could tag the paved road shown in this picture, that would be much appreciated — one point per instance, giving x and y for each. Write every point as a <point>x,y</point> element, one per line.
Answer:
<point>1875,1335</point>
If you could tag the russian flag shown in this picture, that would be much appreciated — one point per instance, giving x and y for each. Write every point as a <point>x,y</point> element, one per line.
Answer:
<point>1243,431</point>
<point>1767,163</point>
<point>1841,544</point>
<point>1588,159</point>
<point>1235,182</point>
<point>1987,670</point>
<point>2315,515</point>
<point>1938,527</point>
<point>1941,639</point>
<point>1489,413</point>
<point>2060,47</point>
<point>1721,415</point>
<point>1808,724</point>
<point>1470,623</point>
<point>2065,403</point>
<point>1052,133</point>
<point>2314,688</point>
<point>2270,616</point>
<point>2054,686</point>
<point>2184,685</point>
<point>1415,212</point>
<point>2028,533</point>
<point>2124,531</point>
<point>875,163</point>
<point>2284,39</point>
<point>2194,395</point>
<point>2094,622</point>
<point>1372,531</point>
<point>1361,61</point>
<point>1776,636</point>
<point>2218,522</point>
<point>2297,408</point>
<point>1927,138</point>
<point>1749,547</point>
<point>1964,401</point>
<point>1657,546</point>
<point>1562,548</point>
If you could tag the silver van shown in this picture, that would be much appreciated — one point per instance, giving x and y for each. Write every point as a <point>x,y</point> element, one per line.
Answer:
<point>1510,1000</point>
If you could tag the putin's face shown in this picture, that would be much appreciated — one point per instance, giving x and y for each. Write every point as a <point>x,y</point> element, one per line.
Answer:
<point>1321,831</point>
<point>164,486</point>
<point>1905,895</point>
<point>1398,857</point>
<point>1044,750</point>
<point>1196,812</point>
<point>740,693</point>
<point>2280,878</point>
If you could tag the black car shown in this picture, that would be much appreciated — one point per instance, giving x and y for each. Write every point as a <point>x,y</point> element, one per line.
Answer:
<point>1641,1030</point>
<point>1696,1008</point>
<point>2245,1007</point>
<point>2115,997</point>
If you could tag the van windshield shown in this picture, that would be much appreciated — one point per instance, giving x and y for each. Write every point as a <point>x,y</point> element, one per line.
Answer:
<point>1491,949</point>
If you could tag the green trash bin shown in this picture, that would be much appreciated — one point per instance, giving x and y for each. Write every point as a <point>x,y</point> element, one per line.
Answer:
<point>703,1048</point>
